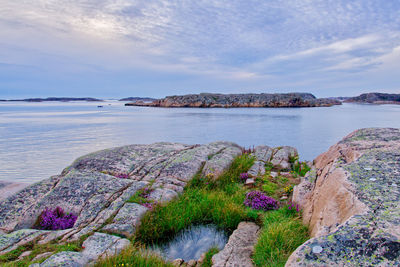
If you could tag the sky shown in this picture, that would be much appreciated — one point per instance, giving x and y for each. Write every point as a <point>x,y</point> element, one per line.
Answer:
<point>120,48</point>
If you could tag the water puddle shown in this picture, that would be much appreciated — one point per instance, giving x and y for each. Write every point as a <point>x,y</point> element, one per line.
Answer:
<point>190,243</point>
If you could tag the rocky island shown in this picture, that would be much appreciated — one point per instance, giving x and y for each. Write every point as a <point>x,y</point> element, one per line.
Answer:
<point>53,99</point>
<point>120,200</point>
<point>206,100</point>
<point>375,98</point>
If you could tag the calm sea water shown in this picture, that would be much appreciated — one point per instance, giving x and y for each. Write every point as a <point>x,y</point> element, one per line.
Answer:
<point>40,139</point>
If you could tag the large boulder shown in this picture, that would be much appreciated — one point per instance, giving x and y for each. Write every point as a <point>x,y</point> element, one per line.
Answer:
<point>96,188</point>
<point>352,203</point>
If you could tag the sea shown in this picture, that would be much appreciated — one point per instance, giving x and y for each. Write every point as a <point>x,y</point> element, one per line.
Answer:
<point>38,140</point>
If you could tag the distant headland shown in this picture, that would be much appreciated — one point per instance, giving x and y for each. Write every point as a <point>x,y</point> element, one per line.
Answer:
<point>61,99</point>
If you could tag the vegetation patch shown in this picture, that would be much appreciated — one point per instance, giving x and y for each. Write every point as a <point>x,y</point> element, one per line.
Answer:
<point>281,234</point>
<point>204,201</point>
<point>134,256</point>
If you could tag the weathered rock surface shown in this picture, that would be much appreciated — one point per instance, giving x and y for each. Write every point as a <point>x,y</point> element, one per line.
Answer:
<point>352,203</point>
<point>96,188</point>
<point>240,246</point>
<point>206,100</point>
<point>127,219</point>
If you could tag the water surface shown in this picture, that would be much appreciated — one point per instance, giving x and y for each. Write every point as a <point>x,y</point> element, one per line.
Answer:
<point>40,139</point>
<point>190,243</point>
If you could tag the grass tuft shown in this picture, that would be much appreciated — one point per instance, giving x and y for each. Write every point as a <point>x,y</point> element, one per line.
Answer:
<point>281,234</point>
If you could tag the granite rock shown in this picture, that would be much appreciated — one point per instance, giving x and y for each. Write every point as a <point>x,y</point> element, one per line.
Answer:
<point>353,204</point>
<point>240,246</point>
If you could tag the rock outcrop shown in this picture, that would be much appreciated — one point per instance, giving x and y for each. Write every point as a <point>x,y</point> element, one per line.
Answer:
<point>375,98</point>
<point>96,188</point>
<point>240,246</point>
<point>351,201</point>
<point>206,100</point>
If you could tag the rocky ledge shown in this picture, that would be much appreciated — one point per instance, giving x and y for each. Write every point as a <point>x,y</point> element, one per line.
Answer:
<point>351,201</point>
<point>206,100</point>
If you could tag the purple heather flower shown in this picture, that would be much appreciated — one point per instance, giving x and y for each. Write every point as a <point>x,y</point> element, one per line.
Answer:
<point>244,176</point>
<point>56,219</point>
<point>122,175</point>
<point>259,201</point>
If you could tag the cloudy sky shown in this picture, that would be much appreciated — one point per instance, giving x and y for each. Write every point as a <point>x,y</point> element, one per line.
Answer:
<point>117,48</point>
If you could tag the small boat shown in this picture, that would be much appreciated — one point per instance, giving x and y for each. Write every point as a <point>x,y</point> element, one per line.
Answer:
<point>99,106</point>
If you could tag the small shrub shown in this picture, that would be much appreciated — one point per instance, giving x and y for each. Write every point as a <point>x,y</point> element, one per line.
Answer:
<point>301,168</point>
<point>259,201</point>
<point>288,189</point>
<point>55,219</point>
<point>268,166</point>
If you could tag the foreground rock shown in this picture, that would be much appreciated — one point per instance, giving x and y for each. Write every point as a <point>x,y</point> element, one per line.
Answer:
<point>96,188</point>
<point>240,246</point>
<point>351,202</point>
<point>375,98</point>
<point>205,100</point>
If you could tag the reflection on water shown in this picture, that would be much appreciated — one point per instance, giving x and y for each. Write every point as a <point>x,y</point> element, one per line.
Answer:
<point>40,139</point>
<point>192,242</point>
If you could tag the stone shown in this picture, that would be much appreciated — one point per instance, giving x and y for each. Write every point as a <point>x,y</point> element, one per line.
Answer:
<point>177,262</point>
<point>350,217</point>
<point>65,258</point>
<point>42,256</point>
<point>257,169</point>
<point>219,162</point>
<point>102,245</point>
<point>127,219</point>
<point>191,263</point>
<point>240,246</point>
<point>201,259</point>
<point>24,254</point>
<point>282,156</point>
<point>249,182</point>
<point>263,153</point>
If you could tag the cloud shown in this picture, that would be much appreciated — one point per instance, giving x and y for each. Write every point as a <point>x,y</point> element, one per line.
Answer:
<point>258,43</point>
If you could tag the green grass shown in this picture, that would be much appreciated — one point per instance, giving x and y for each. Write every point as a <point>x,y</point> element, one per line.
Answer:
<point>207,259</point>
<point>204,201</point>
<point>36,250</point>
<point>8,258</point>
<point>281,234</point>
<point>134,257</point>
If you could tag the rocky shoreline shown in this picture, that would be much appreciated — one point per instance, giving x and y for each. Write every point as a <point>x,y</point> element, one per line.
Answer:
<point>206,100</point>
<point>350,200</point>
<point>375,98</point>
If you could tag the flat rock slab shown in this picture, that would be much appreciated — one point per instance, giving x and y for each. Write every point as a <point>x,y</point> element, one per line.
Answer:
<point>98,245</point>
<point>64,259</point>
<point>351,202</point>
<point>240,246</point>
<point>127,219</point>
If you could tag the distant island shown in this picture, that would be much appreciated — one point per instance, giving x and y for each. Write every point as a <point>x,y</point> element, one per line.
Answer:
<point>209,100</point>
<point>375,98</point>
<point>62,99</point>
<point>134,99</point>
